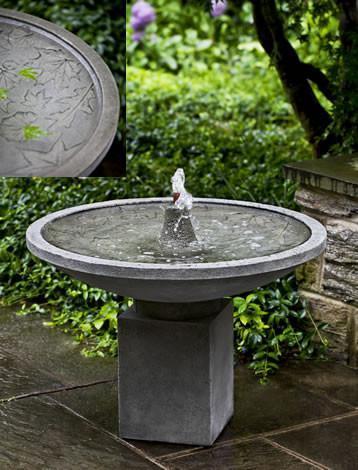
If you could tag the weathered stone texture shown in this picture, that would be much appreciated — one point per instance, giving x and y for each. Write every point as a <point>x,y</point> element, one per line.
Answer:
<point>324,202</point>
<point>330,282</point>
<point>342,241</point>
<point>340,276</point>
<point>340,281</point>
<point>309,274</point>
<point>337,315</point>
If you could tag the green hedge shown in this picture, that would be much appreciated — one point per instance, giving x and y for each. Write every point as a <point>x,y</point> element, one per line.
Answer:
<point>231,134</point>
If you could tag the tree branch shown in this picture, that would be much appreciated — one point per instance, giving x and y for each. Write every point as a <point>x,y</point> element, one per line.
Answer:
<point>315,75</point>
<point>293,74</point>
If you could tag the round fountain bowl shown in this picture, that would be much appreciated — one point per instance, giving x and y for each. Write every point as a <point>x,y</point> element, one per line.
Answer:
<point>115,246</point>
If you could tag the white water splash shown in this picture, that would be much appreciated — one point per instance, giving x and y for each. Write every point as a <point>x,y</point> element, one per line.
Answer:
<point>185,199</point>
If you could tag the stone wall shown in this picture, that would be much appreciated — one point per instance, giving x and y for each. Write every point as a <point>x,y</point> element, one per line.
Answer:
<point>330,283</point>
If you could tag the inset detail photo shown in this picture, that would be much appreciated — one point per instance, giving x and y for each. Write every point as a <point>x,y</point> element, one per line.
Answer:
<point>59,100</point>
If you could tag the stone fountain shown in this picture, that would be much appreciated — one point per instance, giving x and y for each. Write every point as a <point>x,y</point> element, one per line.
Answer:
<point>179,258</point>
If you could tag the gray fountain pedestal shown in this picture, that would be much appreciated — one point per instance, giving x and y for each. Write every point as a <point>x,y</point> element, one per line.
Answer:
<point>175,375</point>
<point>176,342</point>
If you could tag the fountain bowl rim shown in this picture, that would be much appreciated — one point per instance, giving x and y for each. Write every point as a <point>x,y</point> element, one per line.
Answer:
<point>71,261</point>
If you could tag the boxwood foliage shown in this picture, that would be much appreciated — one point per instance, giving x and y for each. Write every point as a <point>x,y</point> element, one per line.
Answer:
<point>270,324</point>
<point>232,134</point>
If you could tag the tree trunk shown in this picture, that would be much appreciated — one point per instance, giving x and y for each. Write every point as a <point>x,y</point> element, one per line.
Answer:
<point>294,74</point>
<point>347,105</point>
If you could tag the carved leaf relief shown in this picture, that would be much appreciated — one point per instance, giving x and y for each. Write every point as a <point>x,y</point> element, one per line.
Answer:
<point>48,102</point>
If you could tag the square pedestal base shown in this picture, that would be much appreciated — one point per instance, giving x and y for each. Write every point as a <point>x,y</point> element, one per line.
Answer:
<point>175,377</point>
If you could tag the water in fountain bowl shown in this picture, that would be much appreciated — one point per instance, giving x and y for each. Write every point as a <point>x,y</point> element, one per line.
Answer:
<point>130,233</point>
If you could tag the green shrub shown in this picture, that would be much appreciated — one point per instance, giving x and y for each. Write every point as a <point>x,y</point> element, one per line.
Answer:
<point>231,139</point>
<point>188,38</point>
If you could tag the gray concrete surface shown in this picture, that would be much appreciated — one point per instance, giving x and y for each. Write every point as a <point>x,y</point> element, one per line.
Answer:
<point>176,377</point>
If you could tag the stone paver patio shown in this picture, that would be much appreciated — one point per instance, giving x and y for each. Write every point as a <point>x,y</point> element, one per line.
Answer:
<point>58,410</point>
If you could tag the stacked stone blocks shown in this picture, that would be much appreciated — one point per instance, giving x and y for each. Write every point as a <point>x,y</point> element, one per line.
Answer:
<point>330,282</point>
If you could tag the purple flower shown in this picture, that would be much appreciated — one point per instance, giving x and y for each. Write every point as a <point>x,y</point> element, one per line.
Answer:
<point>138,35</point>
<point>218,7</point>
<point>142,15</point>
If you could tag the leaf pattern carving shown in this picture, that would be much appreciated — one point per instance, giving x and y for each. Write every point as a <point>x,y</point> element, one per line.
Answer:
<point>45,90</point>
<point>8,75</point>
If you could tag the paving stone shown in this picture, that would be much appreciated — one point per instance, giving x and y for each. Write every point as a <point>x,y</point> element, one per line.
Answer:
<point>262,408</point>
<point>17,378</point>
<point>59,355</point>
<point>333,444</point>
<point>51,350</point>
<point>98,403</point>
<point>40,434</point>
<point>258,408</point>
<point>252,455</point>
<point>336,380</point>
